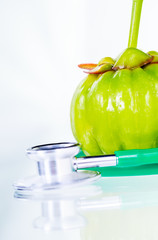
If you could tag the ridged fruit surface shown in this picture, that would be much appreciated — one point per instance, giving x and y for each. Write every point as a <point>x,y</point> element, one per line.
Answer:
<point>117,109</point>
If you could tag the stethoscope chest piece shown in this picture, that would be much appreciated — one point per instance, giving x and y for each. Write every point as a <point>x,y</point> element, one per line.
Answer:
<point>55,164</point>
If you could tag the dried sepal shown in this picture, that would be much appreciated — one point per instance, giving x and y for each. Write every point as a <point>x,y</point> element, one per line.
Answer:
<point>87,65</point>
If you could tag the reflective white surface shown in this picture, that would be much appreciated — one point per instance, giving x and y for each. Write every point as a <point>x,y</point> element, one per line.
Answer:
<point>125,208</point>
<point>130,212</point>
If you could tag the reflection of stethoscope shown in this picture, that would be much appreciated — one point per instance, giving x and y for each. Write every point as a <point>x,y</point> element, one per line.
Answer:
<point>57,166</point>
<point>66,209</point>
<point>60,210</point>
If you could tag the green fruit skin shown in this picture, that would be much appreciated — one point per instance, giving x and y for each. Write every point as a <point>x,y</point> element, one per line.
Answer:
<point>116,110</point>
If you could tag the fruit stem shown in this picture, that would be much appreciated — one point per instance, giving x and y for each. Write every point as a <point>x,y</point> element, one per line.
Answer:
<point>135,20</point>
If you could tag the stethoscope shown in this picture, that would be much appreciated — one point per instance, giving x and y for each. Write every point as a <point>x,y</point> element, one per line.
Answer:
<point>58,167</point>
<point>64,190</point>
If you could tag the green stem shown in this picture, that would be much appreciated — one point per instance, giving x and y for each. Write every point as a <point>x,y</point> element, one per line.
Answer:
<point>135,20</point>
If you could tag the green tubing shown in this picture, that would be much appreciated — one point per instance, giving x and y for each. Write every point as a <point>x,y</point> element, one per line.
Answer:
<point>135,20</point>
<point>138,157</point>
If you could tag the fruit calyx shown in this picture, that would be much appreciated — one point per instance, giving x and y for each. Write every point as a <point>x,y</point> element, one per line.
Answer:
<point>131,58</point>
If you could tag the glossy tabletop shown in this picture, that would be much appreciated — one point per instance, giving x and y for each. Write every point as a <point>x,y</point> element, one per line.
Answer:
<point>122,208</point>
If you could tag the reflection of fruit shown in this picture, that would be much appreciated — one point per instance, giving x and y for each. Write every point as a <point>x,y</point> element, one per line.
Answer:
<point>121,224</point>
<point>127,209</point>
<point>116,105</point>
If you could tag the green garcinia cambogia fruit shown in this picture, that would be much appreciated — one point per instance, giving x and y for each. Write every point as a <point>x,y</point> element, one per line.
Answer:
<point>116,106</point>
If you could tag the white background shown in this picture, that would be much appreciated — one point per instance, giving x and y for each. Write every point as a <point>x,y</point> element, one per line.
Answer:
<point>41,44</point>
